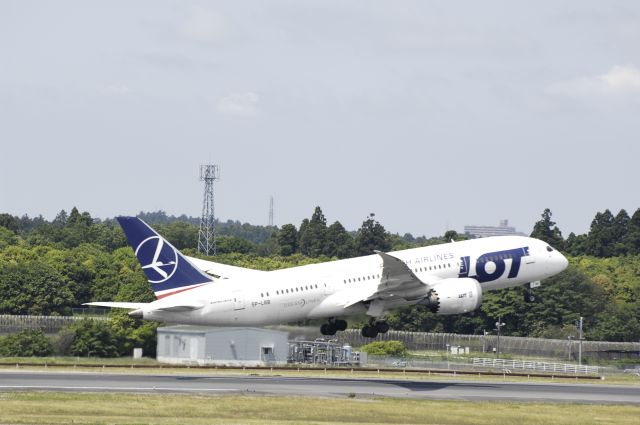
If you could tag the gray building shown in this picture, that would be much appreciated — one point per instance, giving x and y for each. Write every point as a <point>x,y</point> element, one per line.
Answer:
<point>501,230</point>
<point>203,345</point>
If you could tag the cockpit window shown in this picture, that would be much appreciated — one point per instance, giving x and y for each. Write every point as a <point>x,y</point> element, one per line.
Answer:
<point>549,248</point>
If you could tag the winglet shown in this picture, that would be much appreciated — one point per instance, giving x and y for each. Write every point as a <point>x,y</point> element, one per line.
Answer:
<point>167,270</point>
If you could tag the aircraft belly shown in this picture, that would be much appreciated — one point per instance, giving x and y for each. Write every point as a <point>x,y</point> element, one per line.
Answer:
<point>329,309</point>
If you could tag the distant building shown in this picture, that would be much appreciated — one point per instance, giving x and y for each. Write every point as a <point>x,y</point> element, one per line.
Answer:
<point>501,230</point>
<point>203,345</point>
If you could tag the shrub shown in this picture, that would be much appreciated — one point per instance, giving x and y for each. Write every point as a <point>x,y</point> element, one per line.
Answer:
<point>385,348</point>
<point>26,343</point>
<point>94,338</point>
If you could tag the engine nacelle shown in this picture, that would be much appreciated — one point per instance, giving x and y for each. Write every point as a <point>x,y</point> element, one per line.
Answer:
<point>454,296</point>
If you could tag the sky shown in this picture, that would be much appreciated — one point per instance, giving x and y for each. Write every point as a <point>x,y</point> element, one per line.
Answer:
<point>430,114</point>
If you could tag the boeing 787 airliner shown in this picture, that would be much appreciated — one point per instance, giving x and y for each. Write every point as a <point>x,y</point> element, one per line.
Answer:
<point>448,278</point>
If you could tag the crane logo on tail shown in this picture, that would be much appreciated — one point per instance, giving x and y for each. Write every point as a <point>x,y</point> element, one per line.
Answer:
<point>158,259</point>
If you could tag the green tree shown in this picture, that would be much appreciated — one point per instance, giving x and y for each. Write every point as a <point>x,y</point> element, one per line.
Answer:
<point>632,238</point>
<point>180,234</point>
<point>288,239</point>
<point>339,243</point>
<point>371,237</point>
<point>313,234</point>
<point>560,300</point>
<point>619,229</point>
<point>228,244</point>
<point>94,338</point>
<point>132,333</point>
<point>546,230</point>
<point>575,244</point>
<point>10,222</point>
<point>7,237</point>
<point>619,322</point>
<point>600,239</point>
<point>26,343</point>
<point>30,286</point>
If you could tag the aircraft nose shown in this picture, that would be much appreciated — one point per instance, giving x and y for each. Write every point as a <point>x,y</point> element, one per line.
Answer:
<point>560,262</point>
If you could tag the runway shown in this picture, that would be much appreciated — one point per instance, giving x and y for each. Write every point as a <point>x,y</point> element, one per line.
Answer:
<point>323,387</point>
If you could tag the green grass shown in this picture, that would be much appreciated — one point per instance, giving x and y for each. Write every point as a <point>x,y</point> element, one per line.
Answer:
<point>64,408</point>
<point>123,361</point>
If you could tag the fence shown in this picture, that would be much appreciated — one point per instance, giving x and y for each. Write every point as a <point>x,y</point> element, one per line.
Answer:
<point>48,324</point>
<point>555,348</point>
<point>518,365</point>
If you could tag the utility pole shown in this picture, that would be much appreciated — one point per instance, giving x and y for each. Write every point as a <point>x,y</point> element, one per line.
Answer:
<point>580,343</point>
<point>499,324</point>
<point>271,212</point>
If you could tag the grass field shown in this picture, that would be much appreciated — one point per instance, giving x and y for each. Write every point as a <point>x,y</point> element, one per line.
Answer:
<point>66,408</point>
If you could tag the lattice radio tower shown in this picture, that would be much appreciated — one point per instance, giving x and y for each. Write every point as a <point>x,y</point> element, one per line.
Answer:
<point>207,232</point>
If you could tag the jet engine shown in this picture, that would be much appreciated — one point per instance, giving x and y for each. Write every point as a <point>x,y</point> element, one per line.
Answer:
<point>454,296</point>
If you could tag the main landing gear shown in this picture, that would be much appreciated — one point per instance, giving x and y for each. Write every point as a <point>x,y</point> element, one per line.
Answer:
<point>374,328</point>
<point>368,331</point>
<point>333,326</point>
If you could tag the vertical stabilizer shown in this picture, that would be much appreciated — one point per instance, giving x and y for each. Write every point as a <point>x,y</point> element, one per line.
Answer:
<point>167,270</point>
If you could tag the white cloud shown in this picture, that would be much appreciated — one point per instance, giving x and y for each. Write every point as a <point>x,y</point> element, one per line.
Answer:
<point>204,26</point>
<point>239,104</point>
<point>618,81</point>
<point>621,78</point>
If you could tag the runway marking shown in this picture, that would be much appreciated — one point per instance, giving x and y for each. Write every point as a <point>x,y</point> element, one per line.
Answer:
<point>62,388</point>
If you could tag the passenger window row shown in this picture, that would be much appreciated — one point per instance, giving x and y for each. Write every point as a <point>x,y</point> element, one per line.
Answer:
<point>292,290</point>
<point>362,279</point>
<point>426,269</point>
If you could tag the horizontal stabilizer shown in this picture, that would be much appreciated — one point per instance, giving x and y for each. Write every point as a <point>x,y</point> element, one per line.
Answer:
<point>131,306</point>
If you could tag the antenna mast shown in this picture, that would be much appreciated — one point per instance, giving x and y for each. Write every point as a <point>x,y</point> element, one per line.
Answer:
<point>271,211</point>
<point>206,234</point>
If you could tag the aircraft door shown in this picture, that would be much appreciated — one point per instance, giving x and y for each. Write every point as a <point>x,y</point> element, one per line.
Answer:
<point>529,258</point>
<point>327,286</point>
<point>238,300</point>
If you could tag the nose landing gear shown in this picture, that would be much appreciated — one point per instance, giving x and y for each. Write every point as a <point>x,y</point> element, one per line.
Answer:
<point>529,297</point>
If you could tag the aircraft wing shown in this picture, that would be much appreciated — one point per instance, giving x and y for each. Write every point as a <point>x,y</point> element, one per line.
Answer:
<point>224,271</point>
<point>397,281</point>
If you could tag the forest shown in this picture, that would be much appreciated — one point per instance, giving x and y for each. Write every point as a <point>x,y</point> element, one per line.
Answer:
<point>52,267</point>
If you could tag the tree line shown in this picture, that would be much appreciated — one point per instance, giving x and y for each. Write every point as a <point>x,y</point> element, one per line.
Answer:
<point>50,267</point>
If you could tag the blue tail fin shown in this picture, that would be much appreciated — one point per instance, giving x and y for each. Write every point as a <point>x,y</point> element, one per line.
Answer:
<point>166,268</point>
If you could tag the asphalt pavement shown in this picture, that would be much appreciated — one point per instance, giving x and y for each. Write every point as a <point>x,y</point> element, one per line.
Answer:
<point>322,387</point>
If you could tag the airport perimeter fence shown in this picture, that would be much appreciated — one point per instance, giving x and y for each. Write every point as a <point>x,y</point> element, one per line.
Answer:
<point>509,345</point>
<point>48,324</point>
<point>485,365</point>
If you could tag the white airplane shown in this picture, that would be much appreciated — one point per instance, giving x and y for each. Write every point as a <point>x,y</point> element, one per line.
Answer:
<point>448,278</point>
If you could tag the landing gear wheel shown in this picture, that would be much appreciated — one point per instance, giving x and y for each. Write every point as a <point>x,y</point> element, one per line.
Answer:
<point>327,329</point>
<point>529,297</point>
<point>369,331</point>
<point>340,325</point>
<point>382,327</point>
